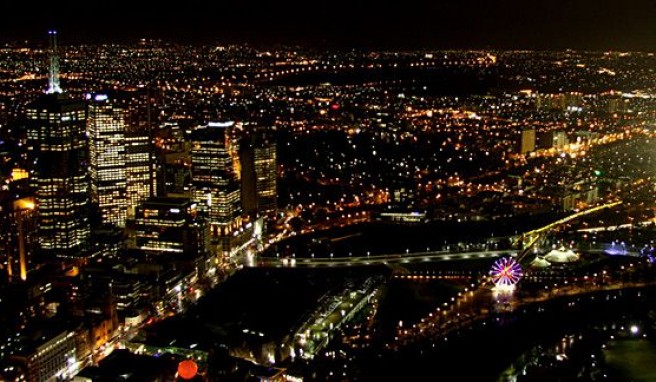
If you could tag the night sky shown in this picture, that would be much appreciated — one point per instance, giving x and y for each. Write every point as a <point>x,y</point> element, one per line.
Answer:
<point>553,24</point>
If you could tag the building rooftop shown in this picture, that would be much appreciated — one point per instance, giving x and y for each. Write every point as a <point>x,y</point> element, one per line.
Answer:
<point>121,365</point>
<point>214,131</point>
<point>56,103</point>
<point>167,202</point>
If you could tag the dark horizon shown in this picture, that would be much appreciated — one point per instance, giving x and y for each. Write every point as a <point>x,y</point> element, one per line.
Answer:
<point>496,24</point>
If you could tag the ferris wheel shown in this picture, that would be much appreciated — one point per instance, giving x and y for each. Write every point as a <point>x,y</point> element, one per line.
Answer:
<point>506,273</point>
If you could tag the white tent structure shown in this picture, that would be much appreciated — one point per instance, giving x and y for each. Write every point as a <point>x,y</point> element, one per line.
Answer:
<point>539,262</point>
<point>561,256</point>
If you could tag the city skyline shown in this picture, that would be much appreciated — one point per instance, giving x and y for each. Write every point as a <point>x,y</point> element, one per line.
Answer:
<point>512,24</point>
<point>287,213</point>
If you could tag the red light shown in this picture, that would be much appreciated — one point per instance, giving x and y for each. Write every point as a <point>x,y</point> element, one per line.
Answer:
<point>187,369</point>
<point>334,106</point>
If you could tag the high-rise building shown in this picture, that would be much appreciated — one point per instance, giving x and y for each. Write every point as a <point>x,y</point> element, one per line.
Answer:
<point>527,141</point>
<point>107,157</point>
<point>123,169</point>
<point>174,160</point>
<point>139,169</point>
<point>215,187</point>
<point>170,225</point>
<point>259,177</point>
<point>141,164</point>
<point>58,145</point>
<point>142,106</point>
<point>176,176</point>
<point>248,179</point>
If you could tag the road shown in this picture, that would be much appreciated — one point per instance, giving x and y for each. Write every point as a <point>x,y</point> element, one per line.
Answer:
<point>393,258</point>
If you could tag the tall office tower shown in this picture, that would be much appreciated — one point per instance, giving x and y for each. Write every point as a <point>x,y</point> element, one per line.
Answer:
<point>57,141</point>
<point>214,184</point>
<point>142,113</point>
<point>174,159</point>
<point>107,157</point>
<point>140,169</point>
<point>141,165</point>
<point>177,174</point>
<point>259,178</point>
<point>248,178</point>
<point>527,141</point>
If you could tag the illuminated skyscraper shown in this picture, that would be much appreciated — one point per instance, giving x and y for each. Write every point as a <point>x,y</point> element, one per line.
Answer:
<point>215,187</point>
<point>121,146</point>
<point>107,157</point>
<point>56,138</point>
<point>141,165</point>
<point>139,170</point>
<point>259,178</point>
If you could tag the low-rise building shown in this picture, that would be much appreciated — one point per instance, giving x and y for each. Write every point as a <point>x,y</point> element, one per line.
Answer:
<point>50,357</point>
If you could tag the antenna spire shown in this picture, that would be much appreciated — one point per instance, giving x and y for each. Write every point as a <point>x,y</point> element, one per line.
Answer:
<point>53,73</point>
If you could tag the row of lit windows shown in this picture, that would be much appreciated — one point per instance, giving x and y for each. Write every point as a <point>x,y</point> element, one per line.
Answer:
<point>112,184</point>
<point>162,246</point>
<point>160,223</point>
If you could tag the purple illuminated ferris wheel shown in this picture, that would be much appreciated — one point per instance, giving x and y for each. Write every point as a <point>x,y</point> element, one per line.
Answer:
<point>506,272</point>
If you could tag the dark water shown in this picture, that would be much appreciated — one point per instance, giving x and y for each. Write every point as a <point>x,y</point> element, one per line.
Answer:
<point>632,359</point>
<point>381,238</point>
<point>484,351</point>
<point>409,301</point>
